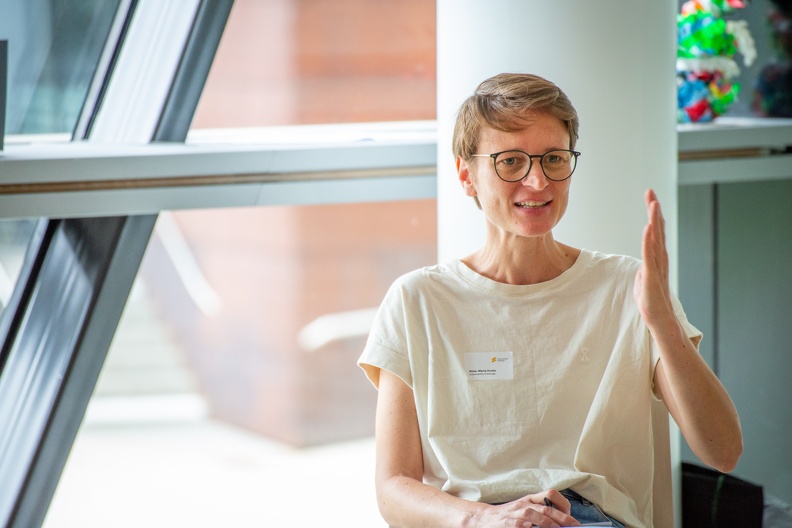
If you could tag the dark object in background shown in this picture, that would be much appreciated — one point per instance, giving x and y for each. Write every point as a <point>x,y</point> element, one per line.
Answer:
<point>773,94</point>
<point>3,84</point>
<point>711,499</point>
<point>773,90</point>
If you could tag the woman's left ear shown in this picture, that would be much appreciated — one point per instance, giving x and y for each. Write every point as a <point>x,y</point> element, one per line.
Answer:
<point>463,172</point>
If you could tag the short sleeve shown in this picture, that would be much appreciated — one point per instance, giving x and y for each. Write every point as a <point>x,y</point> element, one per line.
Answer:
<point>387,347</point>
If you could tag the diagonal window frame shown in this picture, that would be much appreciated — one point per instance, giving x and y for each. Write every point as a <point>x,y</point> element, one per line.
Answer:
<point>78,271</point>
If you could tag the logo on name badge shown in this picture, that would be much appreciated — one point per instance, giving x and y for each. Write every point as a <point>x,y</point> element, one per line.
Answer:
<point>489,365</point>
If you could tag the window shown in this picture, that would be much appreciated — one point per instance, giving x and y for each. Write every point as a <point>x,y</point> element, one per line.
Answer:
<point>54,47</point>
<point>51,63</point>
<point>305,62</point>
<point>15,236</point>
<point>294,62</point>
<point>241,298</point>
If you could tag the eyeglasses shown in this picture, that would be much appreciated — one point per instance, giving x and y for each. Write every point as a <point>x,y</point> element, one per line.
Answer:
<point>514,165</point>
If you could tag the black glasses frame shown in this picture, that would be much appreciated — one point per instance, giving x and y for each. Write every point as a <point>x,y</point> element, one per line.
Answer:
<point>495,155</point>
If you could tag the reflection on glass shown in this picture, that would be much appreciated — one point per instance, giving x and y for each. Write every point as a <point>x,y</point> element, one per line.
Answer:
<point>53,49</point>
<point>290,62</point>
<point>231,308</point>
<point>14,239</point>
<point>260,314</point>
<point>272,307</point>
<point>298,285</point>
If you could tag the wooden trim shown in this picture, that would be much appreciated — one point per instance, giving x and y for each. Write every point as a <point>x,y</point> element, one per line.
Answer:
<point>722,154</point>
<point>208,180</point>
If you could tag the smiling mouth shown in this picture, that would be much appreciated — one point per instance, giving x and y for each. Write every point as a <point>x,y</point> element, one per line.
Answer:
<point>531,205</point>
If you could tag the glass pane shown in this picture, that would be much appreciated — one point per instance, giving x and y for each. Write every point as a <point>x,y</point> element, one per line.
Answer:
<point>275,326</point>
<point>233,375</point>
<point>288,62</point>
<point>53,49</point>
<point>15,236</point>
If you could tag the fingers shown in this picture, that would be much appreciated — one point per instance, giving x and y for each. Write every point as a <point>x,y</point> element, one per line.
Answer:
<point>653,209</point>
<point>561,518</point>
<point>651,282</point>
<point>649,197</point>
<point>557,500</point>
<point>649,239</point>
<point>549,509</point>
<point>548,517</point>
<point>654,242</point>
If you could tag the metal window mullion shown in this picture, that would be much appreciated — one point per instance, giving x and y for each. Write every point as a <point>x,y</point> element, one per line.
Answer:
<point>101,77</point>
<point>126,105</point>
<point>12,314</point>
<point>194,66</point>
<point>114,247</point>
<point>143,75</point>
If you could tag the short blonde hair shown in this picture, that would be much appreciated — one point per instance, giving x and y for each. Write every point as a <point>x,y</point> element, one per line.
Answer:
<point>498,103</point>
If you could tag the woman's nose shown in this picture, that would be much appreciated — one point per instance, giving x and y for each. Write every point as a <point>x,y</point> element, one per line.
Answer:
<point>535,177</point>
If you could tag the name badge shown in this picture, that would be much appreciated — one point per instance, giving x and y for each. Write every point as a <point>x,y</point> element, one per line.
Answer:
<point>489,365</point>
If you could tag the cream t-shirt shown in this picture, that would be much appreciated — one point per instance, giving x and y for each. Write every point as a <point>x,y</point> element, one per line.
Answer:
<point>522,388</point>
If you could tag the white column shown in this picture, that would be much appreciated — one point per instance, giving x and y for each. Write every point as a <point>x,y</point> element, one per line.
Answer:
<point>615,61</point>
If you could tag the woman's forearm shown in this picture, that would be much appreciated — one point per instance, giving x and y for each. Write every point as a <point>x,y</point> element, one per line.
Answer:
<point>405,502</point>
<point>696,399</point>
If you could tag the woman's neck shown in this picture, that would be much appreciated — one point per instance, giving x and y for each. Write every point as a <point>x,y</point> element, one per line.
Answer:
<point>522,260</point>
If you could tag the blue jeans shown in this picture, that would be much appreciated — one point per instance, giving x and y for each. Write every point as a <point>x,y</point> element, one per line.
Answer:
<point>586,511</point>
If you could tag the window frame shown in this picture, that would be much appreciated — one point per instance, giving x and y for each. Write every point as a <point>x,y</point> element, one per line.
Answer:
<point>48,370</point>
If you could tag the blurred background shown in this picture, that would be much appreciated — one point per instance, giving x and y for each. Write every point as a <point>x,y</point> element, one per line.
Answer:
<point>232,378</point>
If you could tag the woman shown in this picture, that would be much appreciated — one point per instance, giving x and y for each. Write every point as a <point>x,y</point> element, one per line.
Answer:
<point>515,384</point>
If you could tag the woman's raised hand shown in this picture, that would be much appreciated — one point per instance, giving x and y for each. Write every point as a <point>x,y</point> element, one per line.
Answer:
<point>651,290</point>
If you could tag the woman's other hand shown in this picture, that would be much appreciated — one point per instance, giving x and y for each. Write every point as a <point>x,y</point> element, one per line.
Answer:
<point>529,511</point>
